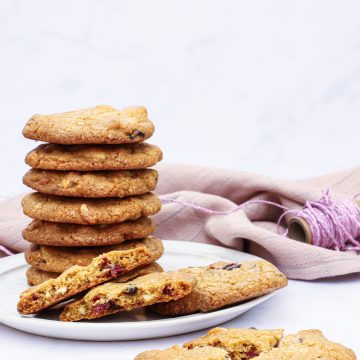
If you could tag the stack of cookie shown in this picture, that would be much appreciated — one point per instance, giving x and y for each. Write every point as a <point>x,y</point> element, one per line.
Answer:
<point>93,196</point>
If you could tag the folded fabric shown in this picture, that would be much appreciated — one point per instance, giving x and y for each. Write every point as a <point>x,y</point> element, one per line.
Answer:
<point>252,229</point>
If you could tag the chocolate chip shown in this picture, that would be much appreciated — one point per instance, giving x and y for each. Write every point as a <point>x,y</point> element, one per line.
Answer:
<point>135,134</point>
<point>131,290</point>
<point>232,266</point>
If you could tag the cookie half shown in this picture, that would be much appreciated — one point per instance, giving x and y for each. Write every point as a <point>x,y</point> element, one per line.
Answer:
<point>36,276</point>
<point>58,259</point>
<point>175,352</point>
<point>239,343</point>
<point>94,157</point>
<point>80,278</point>
<point>225,283</point>
<point>97,125</point>
<point>308,344</point>
<point>113,297</point>
<point>59,234</point>
<point>94,184</point>
<point>89,211</point>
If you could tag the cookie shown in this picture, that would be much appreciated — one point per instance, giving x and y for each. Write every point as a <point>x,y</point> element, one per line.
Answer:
<point>80,278</point>
<point>308,345</point>
<point>58,259</point>
<point>113,297</point>
<point>225,283</point>
<point>239,343</point>
<point>89,211</point>
<point>95,184</point>
<point>97,125</point>
<point>58,234</point>
<point>93,157</point>
<point>36,276</point>
<point>177,353</point>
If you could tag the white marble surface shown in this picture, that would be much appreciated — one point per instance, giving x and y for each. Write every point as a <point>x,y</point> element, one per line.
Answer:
<point>265,86</point>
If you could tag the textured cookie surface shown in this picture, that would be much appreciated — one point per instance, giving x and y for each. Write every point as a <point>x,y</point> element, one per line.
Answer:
<point>113,297</point>
<point>80,278</point>
<point>225,283</point>
<point>58,234</point>
<point>58,259</point>
<point>239,343</point>
<point>177,353</point>
<point>91,184</point>
<point>93,157</point>
<point>36,276</point>
<point>98,125</point>
<point>308,345</point>
<point>89,211</point>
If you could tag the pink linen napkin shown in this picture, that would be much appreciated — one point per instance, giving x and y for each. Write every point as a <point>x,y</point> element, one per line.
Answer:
<point>252,229</point>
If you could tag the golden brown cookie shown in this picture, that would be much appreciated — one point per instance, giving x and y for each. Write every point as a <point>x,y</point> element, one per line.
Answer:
<point>80,278</point>
<point>239,343</point>
<point>89,211</point>
<point>94,184</point>
<point>59,234</point>
<point>113,297</point>
<point>36,276</point>
<point>308,345</point>
<point>177,353</point>
<point>58,259</point>
<point>94,157</point>
<point>97,125</point>
<point>225,283</point>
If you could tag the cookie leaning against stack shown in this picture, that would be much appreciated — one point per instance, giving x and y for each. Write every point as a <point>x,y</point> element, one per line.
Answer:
<point>93,199</point>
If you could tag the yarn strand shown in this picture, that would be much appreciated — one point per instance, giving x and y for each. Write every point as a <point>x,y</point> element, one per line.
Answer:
<point>334,224</point>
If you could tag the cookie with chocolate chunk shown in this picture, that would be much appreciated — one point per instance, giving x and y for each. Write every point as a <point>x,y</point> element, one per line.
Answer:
<point>89,211</point>
<point>92,184</point>
<point>58,259</point>
<point>113,297</point>
<point>59,234</point>
<point>225,283</point>
<point>101,124</point>
<point>239,343</point>
<point>94,157</point>
<point>36,276</point>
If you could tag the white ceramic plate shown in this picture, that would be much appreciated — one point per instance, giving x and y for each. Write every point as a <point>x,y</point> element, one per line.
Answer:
<point>132,325</point>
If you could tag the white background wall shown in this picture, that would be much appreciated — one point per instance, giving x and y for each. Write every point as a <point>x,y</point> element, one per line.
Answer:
<point>265,86</point>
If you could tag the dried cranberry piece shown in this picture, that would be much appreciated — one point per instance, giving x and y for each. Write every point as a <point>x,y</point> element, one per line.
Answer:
<point>136,133</point>
<point>115,270</point>
<point>96,298</point>
<point>231,266</point>
<point>251,354</point>
<point>167,290</point>
<point>35,297</point>
<point>104,263</point>
<point>101,308</point>
<point>131,290</point>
